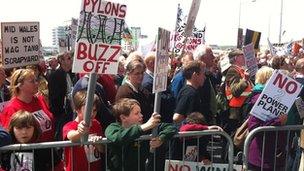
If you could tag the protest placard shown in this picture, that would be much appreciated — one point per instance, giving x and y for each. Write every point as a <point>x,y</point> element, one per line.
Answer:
<point>20,44</point>
<point>98,37</point>
<point>225,63</point>
<point>176,165</point>
<point>161,61</point>
<point>277,97</point>
<point>250,60</point>
<point>196,37</point>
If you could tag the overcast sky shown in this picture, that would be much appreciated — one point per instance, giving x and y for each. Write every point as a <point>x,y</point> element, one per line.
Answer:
<point>220,16</point>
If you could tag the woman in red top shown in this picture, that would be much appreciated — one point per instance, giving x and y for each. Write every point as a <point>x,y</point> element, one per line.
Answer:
<point>24,88</point>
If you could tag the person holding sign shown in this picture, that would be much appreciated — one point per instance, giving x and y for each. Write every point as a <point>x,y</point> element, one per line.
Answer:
<point>238,87</point>
<point>255,149</point>
<point>79,157</point>
<point>123,151</point>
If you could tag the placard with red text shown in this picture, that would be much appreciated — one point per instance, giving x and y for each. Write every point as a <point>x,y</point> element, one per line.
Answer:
<point>97,46</point>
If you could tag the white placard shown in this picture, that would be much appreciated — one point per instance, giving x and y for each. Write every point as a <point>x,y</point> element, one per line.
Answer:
<point>161,61</point>
<point>250,60</point>
<point>22,161</point>
<point>44,120</point>
<point>225,64</point>
<point>20,43</point>
<point>91,151</point>
<point>98,37</point>
<point>277,97</point>
<point>176,165</point>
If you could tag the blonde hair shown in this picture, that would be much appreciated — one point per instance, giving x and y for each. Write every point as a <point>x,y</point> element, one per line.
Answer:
<point>18,78</point>
<point>263,74</point>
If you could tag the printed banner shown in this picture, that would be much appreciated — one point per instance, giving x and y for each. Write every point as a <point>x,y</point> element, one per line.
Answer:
<point>277,97</point>
<point>178,37</point>
<point>98,37</point>
<point>176,165</point>
<point>20,44</point>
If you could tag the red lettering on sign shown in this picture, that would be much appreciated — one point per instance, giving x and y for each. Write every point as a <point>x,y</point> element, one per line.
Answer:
<point>116,51</point>
<point>81,51</point>
<point>290,87</point>
<point>102,55</point>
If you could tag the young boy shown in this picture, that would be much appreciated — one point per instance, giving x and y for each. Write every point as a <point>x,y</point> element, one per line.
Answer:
<point>124,151</point>
<point>82,155</point>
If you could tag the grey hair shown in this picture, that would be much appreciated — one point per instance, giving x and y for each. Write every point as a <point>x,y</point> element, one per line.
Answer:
<point>199,52</point>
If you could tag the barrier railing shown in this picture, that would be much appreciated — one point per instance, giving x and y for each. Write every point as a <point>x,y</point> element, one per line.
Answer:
<point>252,134</point>
<point>181,136</point>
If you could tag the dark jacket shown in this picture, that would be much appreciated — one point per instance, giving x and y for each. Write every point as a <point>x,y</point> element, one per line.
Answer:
<point>57,85</point>
<point>5,138</point>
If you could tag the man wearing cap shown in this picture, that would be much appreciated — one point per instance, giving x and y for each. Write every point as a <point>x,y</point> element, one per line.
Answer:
<point>238,87</point>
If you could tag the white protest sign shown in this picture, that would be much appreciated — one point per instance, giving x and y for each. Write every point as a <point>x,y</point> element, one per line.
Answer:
<point>20,44</point>
<point>176,165</point>
<point>22,161</point>
<point>277,97</point>
<point>91,151</point>
<point>43,120</point>
<point>161,61</point>
<point>224,64</point>
<point>98,39</point>
<point>250,60</point>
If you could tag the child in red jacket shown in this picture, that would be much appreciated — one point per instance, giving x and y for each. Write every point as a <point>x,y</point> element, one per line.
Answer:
<point>196,122</point>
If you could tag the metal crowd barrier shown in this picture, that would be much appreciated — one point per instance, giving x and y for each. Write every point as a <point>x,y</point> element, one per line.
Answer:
<point>181,136</point>
<point>265,129</point>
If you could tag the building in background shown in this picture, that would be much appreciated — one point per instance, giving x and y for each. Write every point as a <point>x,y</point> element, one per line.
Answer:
<point>64,36</point>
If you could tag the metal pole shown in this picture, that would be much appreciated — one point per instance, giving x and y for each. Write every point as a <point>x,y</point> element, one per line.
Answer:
<point>281,16</point>
<point>89,102</point>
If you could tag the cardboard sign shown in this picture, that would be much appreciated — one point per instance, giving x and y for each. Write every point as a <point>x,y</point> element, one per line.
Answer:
<point>250,60</point>
<point>44,120</point>
<point>176,165</point>
<point>161,61</point>
<point>20,44</point>
<point>98,37</point>
<point>277,97</point>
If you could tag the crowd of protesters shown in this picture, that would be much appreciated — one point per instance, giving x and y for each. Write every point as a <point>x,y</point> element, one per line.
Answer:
<point>45,102</point>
